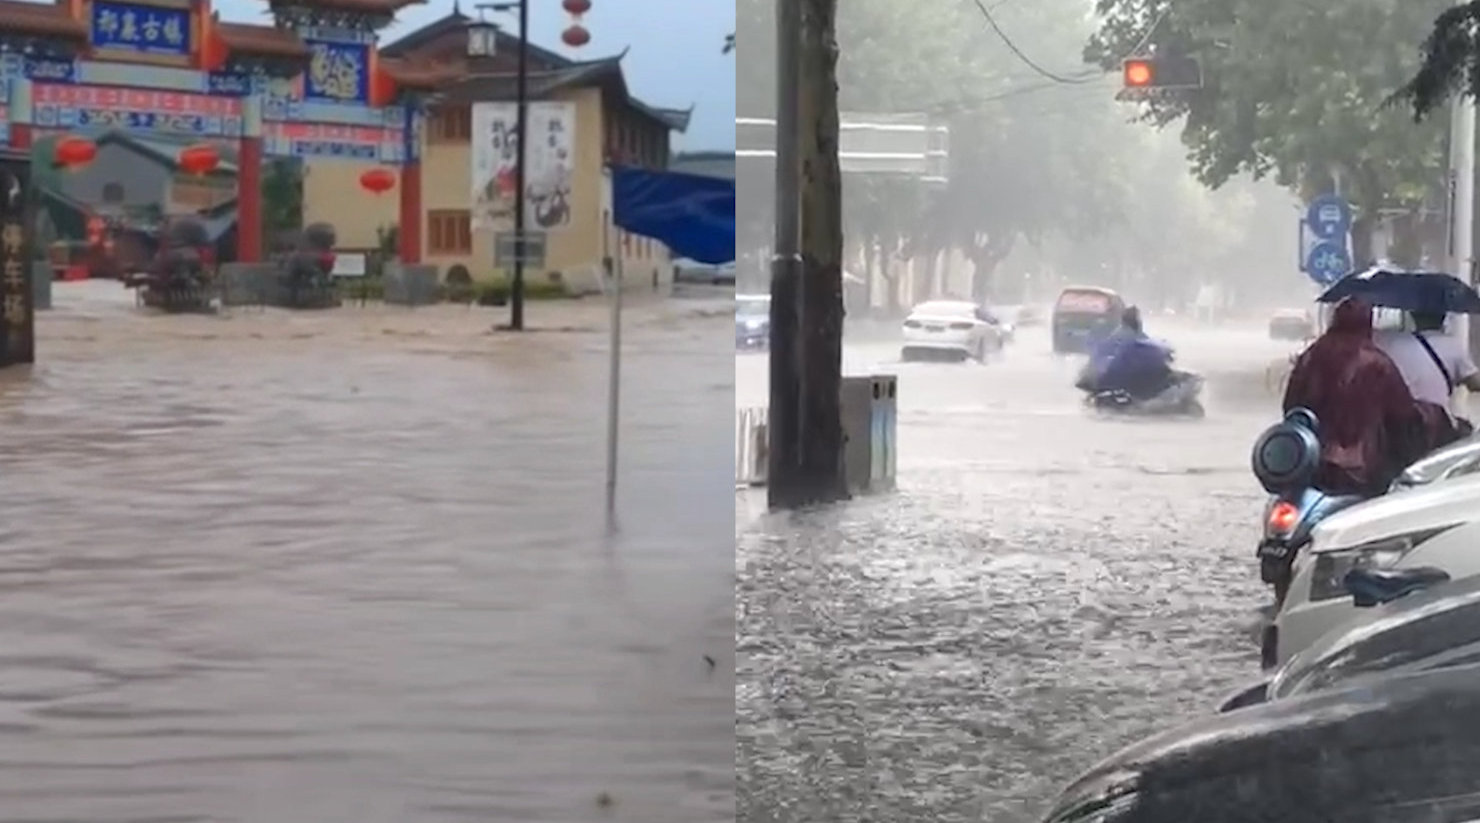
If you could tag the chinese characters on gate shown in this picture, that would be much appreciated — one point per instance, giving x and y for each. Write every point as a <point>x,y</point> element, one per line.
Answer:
<point>338,72</point>
<point>141,29</point>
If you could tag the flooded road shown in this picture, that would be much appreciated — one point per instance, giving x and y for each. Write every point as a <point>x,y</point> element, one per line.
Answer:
<point>1045,587</point>
<point>352,566</point>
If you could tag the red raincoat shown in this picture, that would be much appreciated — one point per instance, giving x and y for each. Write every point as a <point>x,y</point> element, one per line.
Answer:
<point>1370,427</point>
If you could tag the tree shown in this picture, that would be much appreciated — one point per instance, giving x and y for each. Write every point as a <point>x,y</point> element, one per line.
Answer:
<point>1027,158</point>
<point>282,198</point>
<point>1451,62</point>
<point>1293,89</point>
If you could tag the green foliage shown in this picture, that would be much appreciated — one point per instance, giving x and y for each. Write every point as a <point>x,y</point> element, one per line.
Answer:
<point>1293,89</point>
<point>1029,155</point>
<point>1451,61</point>
<point>282,196</point>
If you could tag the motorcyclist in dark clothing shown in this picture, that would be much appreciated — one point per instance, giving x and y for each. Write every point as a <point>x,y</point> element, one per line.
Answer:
<point>1129,361</point>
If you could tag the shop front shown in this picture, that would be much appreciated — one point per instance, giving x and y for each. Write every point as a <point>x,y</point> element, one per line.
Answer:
<point>310,87</point>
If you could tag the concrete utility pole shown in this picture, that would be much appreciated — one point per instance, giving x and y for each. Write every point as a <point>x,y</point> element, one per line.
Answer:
<point>806,360</point>
<point>1462,203</point>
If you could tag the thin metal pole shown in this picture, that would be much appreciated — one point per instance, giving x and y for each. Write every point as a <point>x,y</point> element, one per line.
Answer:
<point>521,129</point>
<point>787,388</point>
<point>614,379</point>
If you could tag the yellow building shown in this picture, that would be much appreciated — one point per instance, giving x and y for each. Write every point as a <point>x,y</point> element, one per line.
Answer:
<point>582,117</point>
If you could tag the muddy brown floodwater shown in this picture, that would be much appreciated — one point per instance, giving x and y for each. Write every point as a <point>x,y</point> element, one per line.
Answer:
<point>352,566</point>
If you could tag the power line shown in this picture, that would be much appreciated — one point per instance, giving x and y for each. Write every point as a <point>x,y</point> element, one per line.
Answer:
<point>965,104</point>
<point>1083,77</point>
<point>1027,61</point>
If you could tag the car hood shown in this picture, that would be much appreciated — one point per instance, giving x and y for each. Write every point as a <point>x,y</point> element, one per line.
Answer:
<point>1431,467</point>
<point>1426,626</point>
<point>1267,761</point>
<point>1441,504</point>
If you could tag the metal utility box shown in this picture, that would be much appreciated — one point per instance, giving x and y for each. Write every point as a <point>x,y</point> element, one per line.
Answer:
<point>752,447</point>
<point>870,414</point>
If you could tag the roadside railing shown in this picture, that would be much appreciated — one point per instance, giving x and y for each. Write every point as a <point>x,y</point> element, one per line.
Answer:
<point>752,447</point>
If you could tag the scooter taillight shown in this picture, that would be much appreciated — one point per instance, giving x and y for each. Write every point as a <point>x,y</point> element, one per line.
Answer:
<point>1283,517</point>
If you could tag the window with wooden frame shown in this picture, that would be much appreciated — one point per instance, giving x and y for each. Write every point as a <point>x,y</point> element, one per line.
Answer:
<point>449,232</point>
<point>450,124</point>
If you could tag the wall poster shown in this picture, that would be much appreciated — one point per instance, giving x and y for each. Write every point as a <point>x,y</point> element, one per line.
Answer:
<point>551,158</point>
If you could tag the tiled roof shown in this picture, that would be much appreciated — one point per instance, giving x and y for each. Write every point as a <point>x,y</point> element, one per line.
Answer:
<point>418,75</point>
<point>246,38</point>
<point>605,73</point>
<point>164,151</point>
<point>370,6</point>
<point>42,19</point>
<point>405,45</point>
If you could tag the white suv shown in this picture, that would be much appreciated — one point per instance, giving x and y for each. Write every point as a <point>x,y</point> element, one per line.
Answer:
<point>1436,525</point>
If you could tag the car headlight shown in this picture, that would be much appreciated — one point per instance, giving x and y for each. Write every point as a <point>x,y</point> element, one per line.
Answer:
<point>1328,578</point>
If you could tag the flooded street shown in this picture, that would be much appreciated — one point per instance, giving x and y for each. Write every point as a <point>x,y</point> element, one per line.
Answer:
<point>1045,587</point>
<point>352,566</point>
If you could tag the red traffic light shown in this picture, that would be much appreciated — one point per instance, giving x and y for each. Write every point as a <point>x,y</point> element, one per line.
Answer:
<point>1138,73</point>
<point>1162,71</point>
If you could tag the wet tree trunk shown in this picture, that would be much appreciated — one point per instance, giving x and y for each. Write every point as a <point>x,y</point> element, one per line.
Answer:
<point>925,285</point>
<point>1407,247</point>
<point>815,474</point>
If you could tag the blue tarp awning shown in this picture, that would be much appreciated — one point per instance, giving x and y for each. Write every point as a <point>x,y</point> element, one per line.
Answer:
<point>692,215</point>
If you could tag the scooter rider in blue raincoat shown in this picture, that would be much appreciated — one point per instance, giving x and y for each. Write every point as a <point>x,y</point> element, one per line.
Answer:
<point>1129,361</point>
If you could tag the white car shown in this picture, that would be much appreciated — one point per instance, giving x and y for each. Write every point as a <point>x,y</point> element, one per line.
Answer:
<point>1434,525</point>
<point>950,329</point>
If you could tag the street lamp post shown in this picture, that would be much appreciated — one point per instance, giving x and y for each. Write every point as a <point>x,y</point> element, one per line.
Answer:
<point>521,121</point>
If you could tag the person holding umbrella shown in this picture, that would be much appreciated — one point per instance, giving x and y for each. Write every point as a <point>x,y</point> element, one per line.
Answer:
<point>1433,365</point>
<point>1370,426</point>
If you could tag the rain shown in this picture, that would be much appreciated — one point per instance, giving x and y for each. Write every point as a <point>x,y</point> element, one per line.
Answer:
<point>1049,582</point>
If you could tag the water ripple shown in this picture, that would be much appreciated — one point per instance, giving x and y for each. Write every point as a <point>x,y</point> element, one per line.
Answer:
<point>352,567</point>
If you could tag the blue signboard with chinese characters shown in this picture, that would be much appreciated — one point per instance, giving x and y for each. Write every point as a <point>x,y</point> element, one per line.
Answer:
<point>140,29</point>
<point>45,70</point>
<point>337,73</point>
<point>229,83</point>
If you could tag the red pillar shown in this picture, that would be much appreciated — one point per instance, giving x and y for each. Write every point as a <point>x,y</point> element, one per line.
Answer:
<point>409,222</point>
<point>249,201</point>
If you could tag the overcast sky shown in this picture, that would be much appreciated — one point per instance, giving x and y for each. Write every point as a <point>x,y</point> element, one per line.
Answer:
<point>674,59</point>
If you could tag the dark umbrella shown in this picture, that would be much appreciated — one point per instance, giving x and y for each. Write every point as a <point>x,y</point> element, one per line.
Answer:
<point>1430,292</point>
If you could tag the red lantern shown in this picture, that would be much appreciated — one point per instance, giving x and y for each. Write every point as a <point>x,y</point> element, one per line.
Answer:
<point>377,181</point>
<point>74,152</point>
<point>576,36</point>
<point>576,7</point>
<point>199,159</point>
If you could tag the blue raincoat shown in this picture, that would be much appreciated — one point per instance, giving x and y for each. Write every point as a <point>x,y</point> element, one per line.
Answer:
<point>1130,361</point>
